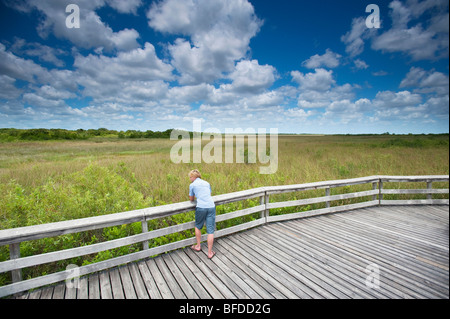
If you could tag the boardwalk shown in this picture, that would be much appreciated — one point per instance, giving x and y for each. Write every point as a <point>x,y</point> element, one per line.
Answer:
<point>378,252</point>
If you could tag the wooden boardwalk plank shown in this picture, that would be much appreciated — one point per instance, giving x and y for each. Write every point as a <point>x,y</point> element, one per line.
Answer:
<point>216,278</point>
<point>408,274</point>
<point>71,293</point>
<point>36,294</point>
<point>407,250</point>
<point>344,264</point>
<point>169,278</point>
<point>266,279</point>
<point>250,278</point>
<point>327,256</point>
<point>231,279</point>
<point>47,293</point>
<point>340,253</point>
<point>105,285</point>
<point>59,291</point>
<point>384,246</point>
<point>127,283</point>
<point>369,255</point>
<point>393,241</point>
<point>199,277</point>
<point>116,284</point>
<point>417,267</point>
<point>149,282</point>
<point>163,287</point>
<point>94,287</point>
<point>313,287</point>
<point>138,282</point>
<point>179,277</point>
<point>267,261</point>
<point>82,290</point>
<point>315,263</point>
<point>190,279</point>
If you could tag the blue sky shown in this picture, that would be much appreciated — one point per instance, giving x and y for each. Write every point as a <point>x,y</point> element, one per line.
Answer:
<point>299,66</point>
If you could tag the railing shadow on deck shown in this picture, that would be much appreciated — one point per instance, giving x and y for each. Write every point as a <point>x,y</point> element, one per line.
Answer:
<point>367,198</point>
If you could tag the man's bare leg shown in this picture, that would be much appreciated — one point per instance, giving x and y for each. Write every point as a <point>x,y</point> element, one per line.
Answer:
<point>198,237</point>
<point>210,241</point>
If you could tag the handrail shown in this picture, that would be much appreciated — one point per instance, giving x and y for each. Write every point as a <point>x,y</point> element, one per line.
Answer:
<point>13,237</point>
<point>19,234</point>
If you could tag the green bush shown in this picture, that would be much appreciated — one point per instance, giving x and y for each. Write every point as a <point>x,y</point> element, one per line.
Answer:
<point>91,192</point>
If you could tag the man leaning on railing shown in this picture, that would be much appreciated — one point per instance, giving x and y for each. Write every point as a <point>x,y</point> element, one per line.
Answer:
<point>205,212</point>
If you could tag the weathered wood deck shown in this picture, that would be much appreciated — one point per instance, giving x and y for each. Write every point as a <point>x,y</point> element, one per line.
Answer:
<point>337,255</point>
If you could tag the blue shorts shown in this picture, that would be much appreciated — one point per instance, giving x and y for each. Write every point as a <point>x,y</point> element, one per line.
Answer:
<point>207,215</point>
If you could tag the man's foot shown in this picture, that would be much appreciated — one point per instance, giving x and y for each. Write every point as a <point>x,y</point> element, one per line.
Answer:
<point>212,255</point>
<point>196,248</point>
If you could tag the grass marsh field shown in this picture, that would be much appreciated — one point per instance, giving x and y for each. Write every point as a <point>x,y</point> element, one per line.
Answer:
<point>49,181</point>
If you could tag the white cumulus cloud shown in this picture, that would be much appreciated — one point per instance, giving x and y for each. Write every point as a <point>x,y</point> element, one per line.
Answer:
<point>218,34</point>
<point>329,59</point>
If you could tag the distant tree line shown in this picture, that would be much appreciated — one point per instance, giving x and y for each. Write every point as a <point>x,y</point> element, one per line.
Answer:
<point>146,134</point>
<point>42,134</point>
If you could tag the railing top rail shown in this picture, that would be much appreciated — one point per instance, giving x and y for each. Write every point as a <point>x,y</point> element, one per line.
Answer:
<point>19,234</point>
<point>418,178</point>
<point>355,181</point>
<point>15,235</point>
<point>324,184</point>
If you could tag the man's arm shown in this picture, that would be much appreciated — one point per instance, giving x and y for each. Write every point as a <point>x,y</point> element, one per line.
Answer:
<point>191,193</point>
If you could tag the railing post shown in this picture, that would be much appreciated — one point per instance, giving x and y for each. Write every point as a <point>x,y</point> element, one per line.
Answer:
<point>14,253</point>
<point>266,204</point>
<point>380,195</point>
<point>374,187</point>
<point>429,187</point>
<point>144,226</point>
<point>262,202</point>
<point>327,193</point>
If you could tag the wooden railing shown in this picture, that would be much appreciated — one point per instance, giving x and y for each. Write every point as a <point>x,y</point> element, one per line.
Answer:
<point>365,198</point>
